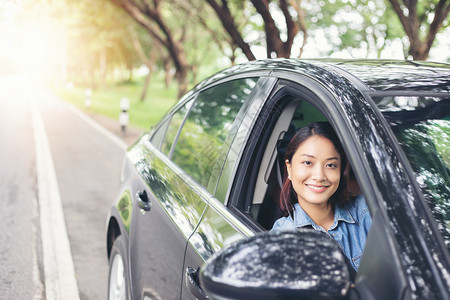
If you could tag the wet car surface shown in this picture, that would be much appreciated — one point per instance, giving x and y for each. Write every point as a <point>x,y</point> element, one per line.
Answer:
<point>209,173</point>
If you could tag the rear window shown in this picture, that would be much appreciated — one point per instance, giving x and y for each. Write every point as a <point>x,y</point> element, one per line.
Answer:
<point>422,126</point>
<point>207,127</point>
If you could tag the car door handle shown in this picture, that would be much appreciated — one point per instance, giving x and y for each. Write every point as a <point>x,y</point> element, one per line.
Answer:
<point>143,200</point>
<point>193,285</point>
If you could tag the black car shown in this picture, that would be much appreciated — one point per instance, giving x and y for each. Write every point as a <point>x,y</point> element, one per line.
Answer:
<point>208,176</point>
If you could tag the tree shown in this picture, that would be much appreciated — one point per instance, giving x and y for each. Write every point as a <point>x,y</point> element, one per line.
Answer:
<point>152,16</point>
<point>216,33</point>
<point>148,57</point>
<point>421,21</point>
<point>373,25</point>
<point>274,42</point>
<point>354,26</point>
<point>97,41</point>
<point>204,35</point>
<point>279,37</point>
<point>230,25</point>
<point>301,14</point>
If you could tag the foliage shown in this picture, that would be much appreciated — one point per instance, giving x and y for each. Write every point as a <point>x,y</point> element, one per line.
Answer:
<point>166,22</point>
<point>421,21</point>
<point>369,26</point>
<point>354,25</point>
<point>273,24</point>
<point>107,43</point>
<point>98,42</point>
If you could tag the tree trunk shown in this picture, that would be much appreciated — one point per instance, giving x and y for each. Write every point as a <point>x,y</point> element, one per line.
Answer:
<point>168,72</point>
<point>149,15</point>
<point>227,20</point>
<point>146,84</point>
<point>149,60</point>
<point>419,49</point>
<point>182,82</point>
<point>275,44</point>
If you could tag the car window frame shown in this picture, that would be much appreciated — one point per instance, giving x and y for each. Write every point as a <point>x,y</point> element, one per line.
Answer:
<point>166,121</point>
<point>263,89</point>
<point>158,133</point>
<point>321,99</point>
<point>192,97</point>
<point>219,160</point>
<point>400,153</point>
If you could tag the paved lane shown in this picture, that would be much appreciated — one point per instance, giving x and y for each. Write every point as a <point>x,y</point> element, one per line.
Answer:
<point>87,164</point>
<point>19,237</point>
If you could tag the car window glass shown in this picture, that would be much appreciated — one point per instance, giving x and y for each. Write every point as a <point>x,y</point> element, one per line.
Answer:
<point>422,126</point>
<point>175,124</point>
<point>158,134</point>
<point>206,128</point>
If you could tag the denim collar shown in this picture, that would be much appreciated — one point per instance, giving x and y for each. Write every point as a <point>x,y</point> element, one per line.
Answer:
<point>302,219</point>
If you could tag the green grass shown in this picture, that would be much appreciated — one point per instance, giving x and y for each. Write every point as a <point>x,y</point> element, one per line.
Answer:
<point>106,101</point>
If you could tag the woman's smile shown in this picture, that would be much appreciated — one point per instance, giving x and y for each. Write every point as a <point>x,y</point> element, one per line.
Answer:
<point>317,188</point>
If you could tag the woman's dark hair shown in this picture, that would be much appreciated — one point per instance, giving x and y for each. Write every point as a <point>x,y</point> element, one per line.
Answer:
<point>288,196</point>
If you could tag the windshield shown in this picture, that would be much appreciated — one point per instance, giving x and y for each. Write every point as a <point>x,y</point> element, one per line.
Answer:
<point>422,126</point>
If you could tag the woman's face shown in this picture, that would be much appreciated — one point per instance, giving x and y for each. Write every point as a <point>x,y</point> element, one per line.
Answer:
<point>315,171</point>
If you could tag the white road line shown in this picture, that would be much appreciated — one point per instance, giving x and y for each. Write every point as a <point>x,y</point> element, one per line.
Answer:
<point>38,288</point>
<point>59,271</point>
<point>98,127</point>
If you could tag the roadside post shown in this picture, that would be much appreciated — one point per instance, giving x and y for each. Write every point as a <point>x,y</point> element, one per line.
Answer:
<point>123,116</point>
<point>88,98</point>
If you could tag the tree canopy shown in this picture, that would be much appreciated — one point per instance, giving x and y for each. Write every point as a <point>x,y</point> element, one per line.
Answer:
<point>181,37</point>
<point>421,21</point>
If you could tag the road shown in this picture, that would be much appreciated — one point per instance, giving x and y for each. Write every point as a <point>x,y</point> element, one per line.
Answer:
<point>59,175</point>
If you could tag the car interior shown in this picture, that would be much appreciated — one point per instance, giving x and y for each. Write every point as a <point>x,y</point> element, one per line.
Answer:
<point>271,173</point>
<point>262,202</point>
<point>294,113</point>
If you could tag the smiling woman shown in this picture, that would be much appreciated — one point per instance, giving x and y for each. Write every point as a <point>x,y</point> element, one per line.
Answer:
<point>315,192</point>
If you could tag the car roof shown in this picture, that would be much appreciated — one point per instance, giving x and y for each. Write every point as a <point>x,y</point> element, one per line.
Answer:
<point>384,75</point>
<point>372,75</point>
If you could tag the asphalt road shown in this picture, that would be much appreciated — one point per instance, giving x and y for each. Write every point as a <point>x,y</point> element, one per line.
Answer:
<point>86,160</point>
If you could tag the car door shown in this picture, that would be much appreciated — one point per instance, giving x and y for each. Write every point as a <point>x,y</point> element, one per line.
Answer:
<point>177,180</point>
<point>218,226</point>
<point>251,181</point>
<point>405,256</point>
<point>166,211</point>
<point>406,253</point>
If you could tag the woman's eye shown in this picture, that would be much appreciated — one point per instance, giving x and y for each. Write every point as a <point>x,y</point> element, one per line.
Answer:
<point>331,165</point>
<point>308,163</point>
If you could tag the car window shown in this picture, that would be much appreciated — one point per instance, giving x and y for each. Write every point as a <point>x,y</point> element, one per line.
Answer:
<point>202,138</point>
<point>261,175</point>
<point>295,115</point>
<point>158,134</point>
<point>422,127</point>
<point>174,127</point>
<point>257,186</point>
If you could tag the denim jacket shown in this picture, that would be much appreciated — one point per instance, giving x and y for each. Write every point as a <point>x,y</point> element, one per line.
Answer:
<point>349,230</point>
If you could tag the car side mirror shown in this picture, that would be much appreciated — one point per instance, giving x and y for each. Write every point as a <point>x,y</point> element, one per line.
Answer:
<point>303,264</point>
